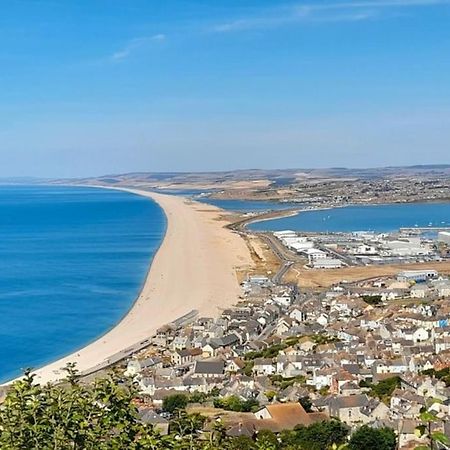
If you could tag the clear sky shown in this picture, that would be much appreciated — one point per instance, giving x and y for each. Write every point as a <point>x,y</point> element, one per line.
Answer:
<point>90,87</point>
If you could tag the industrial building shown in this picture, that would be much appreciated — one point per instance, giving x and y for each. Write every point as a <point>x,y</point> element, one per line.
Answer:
<point>417,276</point>
<point>326,263</point>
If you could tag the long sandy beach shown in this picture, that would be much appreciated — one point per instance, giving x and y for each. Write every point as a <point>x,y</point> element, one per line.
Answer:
<point>195,268</point>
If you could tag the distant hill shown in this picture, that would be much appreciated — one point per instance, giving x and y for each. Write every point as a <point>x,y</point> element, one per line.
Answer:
<point>278,177</point>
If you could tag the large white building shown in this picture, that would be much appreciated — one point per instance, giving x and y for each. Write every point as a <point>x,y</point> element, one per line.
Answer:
<point>326,263</point>
<point>417,276</point>
<point>411,246</point>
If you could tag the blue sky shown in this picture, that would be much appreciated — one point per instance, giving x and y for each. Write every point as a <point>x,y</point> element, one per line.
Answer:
<point>90,87</point>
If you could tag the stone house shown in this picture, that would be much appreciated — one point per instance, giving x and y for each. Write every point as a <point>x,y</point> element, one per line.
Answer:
<point>212,368</point>
<point>348,408</point>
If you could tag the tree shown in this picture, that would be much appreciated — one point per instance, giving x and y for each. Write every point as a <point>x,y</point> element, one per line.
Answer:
<point>384,389</point>
<point>175,402</point>
<point>234,403</point>
<point>368,438</point>
<point>240,443</point>
<point>267,440</point>
<point>71,416</point>
<point>187,425</point>
<point>435,437</point>
<point>318,436</point>
<point>373,300</point>
<point>306,403</point>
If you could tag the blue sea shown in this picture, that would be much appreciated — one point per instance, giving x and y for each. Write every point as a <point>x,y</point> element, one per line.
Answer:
<point>378,218</point>
<point>72,262</point>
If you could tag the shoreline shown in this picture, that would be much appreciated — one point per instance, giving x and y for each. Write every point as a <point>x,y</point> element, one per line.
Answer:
<point>194,268</point>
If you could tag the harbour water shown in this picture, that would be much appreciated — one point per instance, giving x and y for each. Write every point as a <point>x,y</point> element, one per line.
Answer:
<point>378,218</point>
<point>249,205</point>
<point>72,261</point>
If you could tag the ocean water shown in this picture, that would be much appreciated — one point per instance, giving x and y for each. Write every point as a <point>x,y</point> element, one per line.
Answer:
<point>378,218</point>
<point>72,262</point>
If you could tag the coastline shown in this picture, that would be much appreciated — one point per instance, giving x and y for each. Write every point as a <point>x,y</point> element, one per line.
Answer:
<point>193,269</point>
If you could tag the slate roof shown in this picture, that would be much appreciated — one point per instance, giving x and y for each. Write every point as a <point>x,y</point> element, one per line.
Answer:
<point>209,367</point>
<point>351,401</point>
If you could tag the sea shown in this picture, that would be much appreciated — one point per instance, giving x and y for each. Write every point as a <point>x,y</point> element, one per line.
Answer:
<point>72,262</point>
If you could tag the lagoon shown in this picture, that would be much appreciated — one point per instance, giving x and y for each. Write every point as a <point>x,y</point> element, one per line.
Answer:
<point>378,218</point>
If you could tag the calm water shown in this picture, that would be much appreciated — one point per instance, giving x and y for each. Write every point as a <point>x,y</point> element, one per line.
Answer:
<point>72,261</point>
<point>382,218</point>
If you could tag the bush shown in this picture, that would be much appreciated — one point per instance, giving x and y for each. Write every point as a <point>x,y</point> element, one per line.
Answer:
<point>175,402</point>
<point>318,436</point>
<point>373,300</point>
<point>234,403</point>
<point>384,389</point>
<point>306,403</point>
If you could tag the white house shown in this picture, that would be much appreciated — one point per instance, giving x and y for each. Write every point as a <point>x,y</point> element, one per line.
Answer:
<point>298,315</point>
<point>263,366</point>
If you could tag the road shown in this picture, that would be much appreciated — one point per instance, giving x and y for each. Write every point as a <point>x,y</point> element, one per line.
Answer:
<point>287,259</point>
<point>347,260</point>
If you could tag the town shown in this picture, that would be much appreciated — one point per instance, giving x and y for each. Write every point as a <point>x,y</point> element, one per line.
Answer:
<point>372,353</point>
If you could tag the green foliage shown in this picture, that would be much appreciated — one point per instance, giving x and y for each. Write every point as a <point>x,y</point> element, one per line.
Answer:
<point>318,436</point>
<point>71,416</point>
<point>103,416</point>
<point>269,352</point>
<point>364,384</point>
<point>274,350</point>
<point>368,438</point>
<point>439,436</point>
<point>198,397</point>
<point>267,440</point>
<point>282,383</point>
<point>234,403</point>
<point>240,443</point>
<point>321,339</point>
<point>292,340</point>
<point>248,368</point>
<point>425,430</point>
<point>306,403</point>
<point>384,389</point>
<point>373,300</point>
<point>187,425</point>
<point>175,402</point>
<point>443,374</point>
<point>324,391</point>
